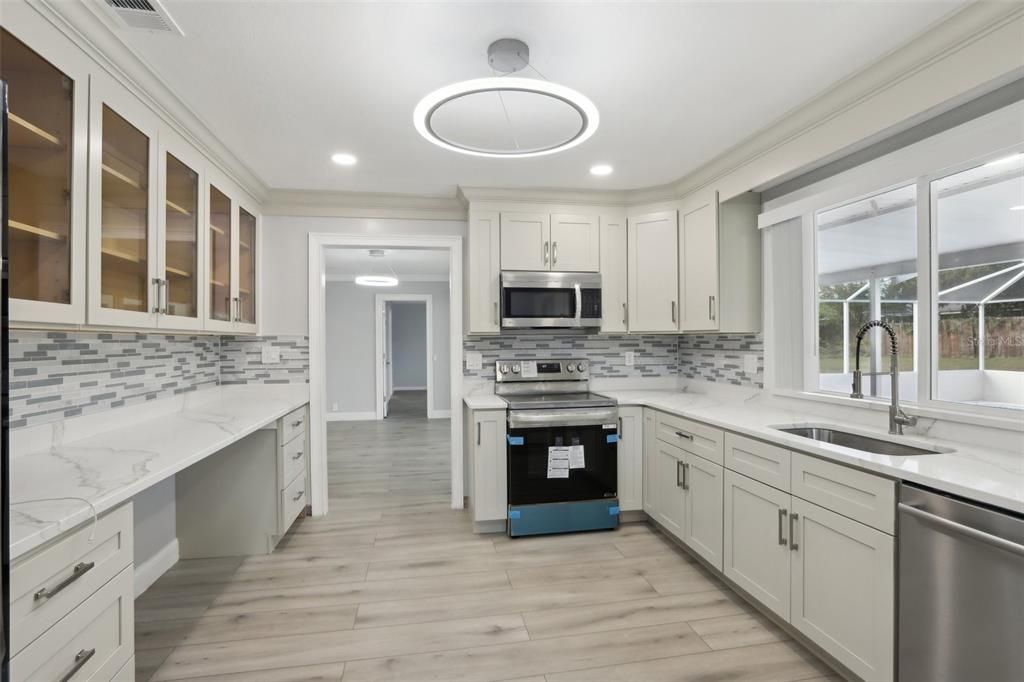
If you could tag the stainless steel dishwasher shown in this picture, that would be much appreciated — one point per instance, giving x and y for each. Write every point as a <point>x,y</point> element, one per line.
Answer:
<point>961,590</point>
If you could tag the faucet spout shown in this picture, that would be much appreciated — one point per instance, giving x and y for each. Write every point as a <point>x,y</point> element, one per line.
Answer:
<point>897,417</point>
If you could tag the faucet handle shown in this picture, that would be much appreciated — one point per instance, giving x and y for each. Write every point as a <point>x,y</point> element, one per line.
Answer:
<point>904,419</point>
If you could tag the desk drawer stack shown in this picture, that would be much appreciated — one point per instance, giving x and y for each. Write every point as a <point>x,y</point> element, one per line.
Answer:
<point>293,459</point>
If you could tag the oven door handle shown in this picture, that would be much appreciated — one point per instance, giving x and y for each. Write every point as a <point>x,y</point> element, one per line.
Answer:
<point>598,416</point>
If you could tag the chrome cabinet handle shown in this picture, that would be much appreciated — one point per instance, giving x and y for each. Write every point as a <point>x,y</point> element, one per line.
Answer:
<point>793,518</point>
<point>478,433</point>
<point>81,658</point>
<point>684,435</point>
<point>554,253</point>
<point>77,572</point>
<point>161,296</point>
<point>296,424</point>
<point>679,469</point>
<point>624,313</point>
<point>973,533</point>
<point>297,455</point>
<point>686,475</point>
<point>298,495</point>
<point>782,519</point>
<point>620,427</point>
<point>714,314</point>
<point>495,312</point>
<point>673,311</point>
<point>547,252</point>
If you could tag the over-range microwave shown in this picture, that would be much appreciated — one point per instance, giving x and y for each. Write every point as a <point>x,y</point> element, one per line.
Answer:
<point>550,300</point>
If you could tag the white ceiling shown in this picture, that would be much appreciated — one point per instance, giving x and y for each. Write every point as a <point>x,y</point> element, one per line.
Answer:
<point>285,84</point>
<point>407,263</point>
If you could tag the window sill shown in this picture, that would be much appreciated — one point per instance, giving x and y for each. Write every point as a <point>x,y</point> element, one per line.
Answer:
<point>1014,421</point>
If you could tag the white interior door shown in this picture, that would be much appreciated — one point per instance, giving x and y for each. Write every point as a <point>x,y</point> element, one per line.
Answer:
<point>389,366</point>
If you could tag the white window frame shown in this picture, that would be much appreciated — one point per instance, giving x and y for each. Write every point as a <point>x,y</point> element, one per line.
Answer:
<point>975,143</point>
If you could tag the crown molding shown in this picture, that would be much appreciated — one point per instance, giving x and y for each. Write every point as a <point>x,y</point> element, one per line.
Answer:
<point>583,197</point>
<point>329,204</point>
<point>87,25</point>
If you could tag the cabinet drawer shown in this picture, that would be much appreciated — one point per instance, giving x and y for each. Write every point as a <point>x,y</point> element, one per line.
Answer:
<point>293,501</point>
<point>291,460</point>
<point>69,571</point>
<point>126,673</point>
<point>760,461</point>
<point>855,494</point>
<point>293,424</point>
<point>93,642</point>
<point>691,436</point>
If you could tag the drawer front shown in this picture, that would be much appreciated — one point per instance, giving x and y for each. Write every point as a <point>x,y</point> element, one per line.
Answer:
<point>694,437</point>
<point>760,461</point>
<point>126,673</point>
<point>293,500</point>
<point>293,424</point>
<point>48,584</point>
<point>292,459</point>
<point>93,642</point>
<point>855,494</point>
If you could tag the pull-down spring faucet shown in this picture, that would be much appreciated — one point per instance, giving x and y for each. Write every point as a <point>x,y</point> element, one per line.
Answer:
<point>897,417</point>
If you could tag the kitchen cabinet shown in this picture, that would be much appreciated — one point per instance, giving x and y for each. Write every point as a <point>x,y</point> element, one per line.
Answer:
<point>670,498</point>
<point>47,140</point>
<point>630,458</point>
<point>245,292</point>
<point>653,273</point>
<point>558,242</point>
<point>575,243</point>
<point>649,458</point>
<point>733,255</point>
<point>488,473</point>
<point>843,588</point>
<point>233,238</point>
<point>703,483</point>
<point>482,270</point>
<point>613,258</point>
<point>698,263</point>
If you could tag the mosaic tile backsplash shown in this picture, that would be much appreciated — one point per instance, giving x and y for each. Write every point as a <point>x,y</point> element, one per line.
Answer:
<point>55,375</point>
<point>720,357</point>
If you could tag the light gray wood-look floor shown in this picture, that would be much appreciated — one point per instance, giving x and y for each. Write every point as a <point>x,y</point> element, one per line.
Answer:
<point>393,585</point>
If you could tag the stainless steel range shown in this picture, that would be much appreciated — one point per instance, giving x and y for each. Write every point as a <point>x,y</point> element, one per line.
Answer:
<point>562,448</point>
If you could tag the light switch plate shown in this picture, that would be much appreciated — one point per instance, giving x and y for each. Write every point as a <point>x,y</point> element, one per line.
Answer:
<point>270,354</point>
<point>750,363</point>
<point>630,358</point>
<point>474,360</point>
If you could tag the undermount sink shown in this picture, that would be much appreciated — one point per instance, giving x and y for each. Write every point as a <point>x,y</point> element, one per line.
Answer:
<point>855,441</point>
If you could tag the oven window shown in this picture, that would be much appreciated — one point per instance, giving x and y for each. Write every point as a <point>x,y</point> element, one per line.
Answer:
<point>537,303</point>
<point>528,479</point>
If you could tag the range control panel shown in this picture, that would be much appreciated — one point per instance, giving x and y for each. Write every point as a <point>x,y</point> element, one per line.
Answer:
<point>541,370</point>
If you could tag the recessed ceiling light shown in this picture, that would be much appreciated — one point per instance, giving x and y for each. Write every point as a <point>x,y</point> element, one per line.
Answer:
<point>601,169</point>
<point>376,281</point>
<point>343,159</point>
<point>1017,208</point>
<point>1006,159</point>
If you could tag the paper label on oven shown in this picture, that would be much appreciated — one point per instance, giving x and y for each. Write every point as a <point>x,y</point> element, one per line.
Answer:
<point>558,462</point>
<point>576,460</point>
<point>529,369</point>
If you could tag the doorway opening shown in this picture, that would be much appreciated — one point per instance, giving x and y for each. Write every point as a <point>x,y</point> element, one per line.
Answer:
<point>405,356</point>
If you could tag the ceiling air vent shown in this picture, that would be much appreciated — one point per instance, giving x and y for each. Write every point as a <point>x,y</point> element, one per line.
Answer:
<point>143,15</point>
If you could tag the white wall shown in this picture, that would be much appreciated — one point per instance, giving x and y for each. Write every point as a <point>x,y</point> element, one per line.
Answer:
<point>350,344</point>
<point>409,345</point>
<point>284,261</point>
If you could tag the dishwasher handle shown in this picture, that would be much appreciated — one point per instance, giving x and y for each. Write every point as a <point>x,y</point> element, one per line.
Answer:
<point>961,529</point>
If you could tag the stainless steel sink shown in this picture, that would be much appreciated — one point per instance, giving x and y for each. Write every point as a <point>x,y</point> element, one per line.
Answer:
<point>855,441</point>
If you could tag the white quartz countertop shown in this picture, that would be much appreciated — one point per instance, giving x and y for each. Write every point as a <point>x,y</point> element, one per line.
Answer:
<point>484,401</point>
<point>991,476</point>
<point>136,447</point>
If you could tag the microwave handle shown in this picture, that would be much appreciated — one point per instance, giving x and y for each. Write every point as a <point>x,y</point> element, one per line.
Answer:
<point>579,304</point>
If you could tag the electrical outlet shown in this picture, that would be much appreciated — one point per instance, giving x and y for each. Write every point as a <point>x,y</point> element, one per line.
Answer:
<point>630,358</point>
<point>750,363</point>
<point>270,354</point>
<point>474,360</point>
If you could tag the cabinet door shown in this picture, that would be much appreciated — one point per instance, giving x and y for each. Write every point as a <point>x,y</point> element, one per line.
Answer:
<point>181,201</point>
<point>698,261</point>
<point>756,551</point>
<point>651,505</point>
<point>245,251</point>
<point>525,241</point>
<point>47,141</point>
<point>613,274</point>
<point>843,589</point>
<point>123,244</point>
<point>221,226</point>
<point>575,243</point>
<point>668,467</point>
<point>630,459</point>
<point>653,273</point>
<point>490,473</point>
<point>482,268</point>
<point>704,483</point>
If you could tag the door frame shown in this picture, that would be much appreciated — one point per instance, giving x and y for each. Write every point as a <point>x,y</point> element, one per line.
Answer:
<point>380,309</point>
<point>318,243</point>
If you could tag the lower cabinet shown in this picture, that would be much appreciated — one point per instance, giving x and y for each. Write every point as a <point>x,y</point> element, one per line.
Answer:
<point>630,464</point>
<point>670,496</point>
<point>702,530</point>
<point>488,473</point>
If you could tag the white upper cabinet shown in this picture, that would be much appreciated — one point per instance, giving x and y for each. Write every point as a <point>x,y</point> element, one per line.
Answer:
<point>246,280</point>
<point>613,259</point>
<point>698,260</point>
<point>482,269</point>
<point>525,241</point>
<point>575,243</point>
<point>653,274</point>
<point>123,239</point>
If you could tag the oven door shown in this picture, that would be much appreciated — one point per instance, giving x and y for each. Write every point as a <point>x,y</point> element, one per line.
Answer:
<point>531,300</point>
<point>565,455</point>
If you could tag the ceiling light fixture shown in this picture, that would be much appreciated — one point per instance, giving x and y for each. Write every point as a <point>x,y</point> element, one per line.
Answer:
<point>503,116</point>
<point>376,281</point>
<point>1006,159</point>
<point>343,159</point>
<point>601,169</point>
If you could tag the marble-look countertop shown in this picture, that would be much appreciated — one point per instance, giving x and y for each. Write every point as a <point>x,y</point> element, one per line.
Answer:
<point>484,401</point>
<point>975,472</point>
<point>106,459</point>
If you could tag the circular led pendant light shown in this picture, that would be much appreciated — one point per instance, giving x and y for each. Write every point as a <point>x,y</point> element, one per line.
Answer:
<point>377,280</point>
<point>503,116</point>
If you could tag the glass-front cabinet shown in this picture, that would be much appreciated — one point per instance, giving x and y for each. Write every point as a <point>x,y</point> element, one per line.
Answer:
<point>246,299</point>
<point>180,280</point>
<point>232,237</point>
<point>47,138</point>
<point>221,233</point>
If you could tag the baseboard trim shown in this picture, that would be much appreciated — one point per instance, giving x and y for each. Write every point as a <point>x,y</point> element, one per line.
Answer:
<point>351,416</point>
<point>439,414</point>
<point>149,571</point>
<point>396,389</point>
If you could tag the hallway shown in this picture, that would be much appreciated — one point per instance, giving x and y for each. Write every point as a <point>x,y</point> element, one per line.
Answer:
<point>408,405</point>
<point>393,584</point>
